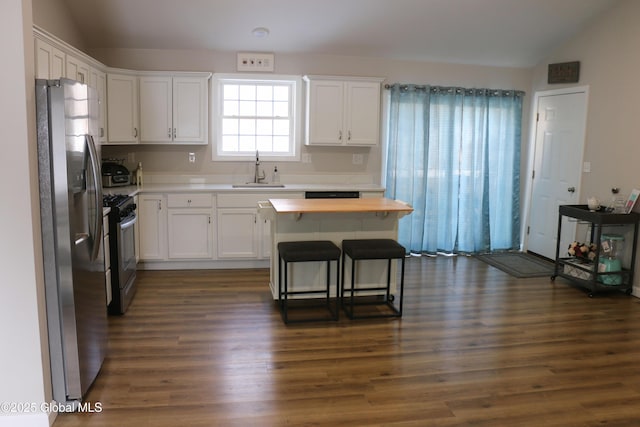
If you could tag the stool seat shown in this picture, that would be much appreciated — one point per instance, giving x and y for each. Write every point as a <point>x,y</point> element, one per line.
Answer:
<point>373,249</point>
<point>321,250</point>
<point>308,251</point>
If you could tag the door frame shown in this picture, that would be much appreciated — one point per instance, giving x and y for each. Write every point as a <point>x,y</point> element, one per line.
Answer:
<point>531,152</point>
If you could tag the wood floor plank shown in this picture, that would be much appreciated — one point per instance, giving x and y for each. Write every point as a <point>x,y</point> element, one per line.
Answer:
<point>475,347</point>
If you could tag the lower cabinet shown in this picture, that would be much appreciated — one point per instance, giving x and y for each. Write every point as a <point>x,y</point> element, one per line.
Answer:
<point>242,233</point>
<point>152,224</point>
<point>238,233</point>
<point>190,228</point>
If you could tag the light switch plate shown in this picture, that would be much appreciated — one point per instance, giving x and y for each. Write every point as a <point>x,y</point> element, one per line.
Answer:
<point>248,61</point>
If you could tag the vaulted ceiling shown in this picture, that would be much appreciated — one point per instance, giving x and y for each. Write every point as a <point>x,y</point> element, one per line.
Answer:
<point>510,33</point>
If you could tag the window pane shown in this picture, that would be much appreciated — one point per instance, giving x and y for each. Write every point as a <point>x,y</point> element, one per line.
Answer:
<point>247,108</point>
<point>264,127</point>
<point>230,126</point>
<point>264,143</point>
<point>265,109</point>
<point>264,93</point>
<point>230,91</point>
<point>281,109</point>
<point>281,127</point>
<point>247,143</point>
<point>230,143</point>
<point>248,92</point>
<point>281,93</point>
<point>230,108</point>
<point>280,144</point>
<point>247,127</point>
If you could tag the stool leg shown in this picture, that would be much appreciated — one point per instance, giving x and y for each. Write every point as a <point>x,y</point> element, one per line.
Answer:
<point>353,285</point>
<point>285,293</point>
<point>401,286</point>
<point>338,298</point>
<point>388,280</point>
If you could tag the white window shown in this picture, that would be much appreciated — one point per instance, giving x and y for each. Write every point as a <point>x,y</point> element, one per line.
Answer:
<point>256,113</point>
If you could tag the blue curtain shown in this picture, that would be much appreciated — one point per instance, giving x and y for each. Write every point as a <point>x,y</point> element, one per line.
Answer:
<point>454,155</point>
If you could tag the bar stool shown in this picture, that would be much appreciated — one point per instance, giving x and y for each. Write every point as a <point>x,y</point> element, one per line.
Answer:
<point>306,251</point>
<point>372,249</point>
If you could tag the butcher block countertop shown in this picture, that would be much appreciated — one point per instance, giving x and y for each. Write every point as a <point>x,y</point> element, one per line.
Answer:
<point>374,204</point>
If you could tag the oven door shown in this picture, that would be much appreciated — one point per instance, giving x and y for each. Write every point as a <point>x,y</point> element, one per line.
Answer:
<point>127,258</point>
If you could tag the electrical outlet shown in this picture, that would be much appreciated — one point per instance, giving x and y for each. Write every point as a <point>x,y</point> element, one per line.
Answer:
<point>248,61</point>
<point>192,157</point>
<point>357,159</point>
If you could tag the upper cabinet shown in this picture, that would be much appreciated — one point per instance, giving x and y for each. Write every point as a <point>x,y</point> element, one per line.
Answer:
<point>122,109</point>
<point>173,109</point>
<point>343,111</point>
<point>50,60</point>
<point>76,69</point>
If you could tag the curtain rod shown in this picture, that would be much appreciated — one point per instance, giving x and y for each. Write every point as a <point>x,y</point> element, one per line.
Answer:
<point>406,87</point>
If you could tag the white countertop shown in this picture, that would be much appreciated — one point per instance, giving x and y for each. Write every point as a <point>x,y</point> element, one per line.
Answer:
<point>132,190</point>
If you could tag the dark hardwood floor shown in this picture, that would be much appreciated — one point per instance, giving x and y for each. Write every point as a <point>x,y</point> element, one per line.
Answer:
<point>475,347</point>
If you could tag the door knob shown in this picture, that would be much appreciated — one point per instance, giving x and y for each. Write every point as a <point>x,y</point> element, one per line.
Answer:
<point>571,189</point>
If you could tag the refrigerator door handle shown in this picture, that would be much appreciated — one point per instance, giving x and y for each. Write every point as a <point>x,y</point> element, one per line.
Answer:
<point>95,170</point>
<point>81,237</point>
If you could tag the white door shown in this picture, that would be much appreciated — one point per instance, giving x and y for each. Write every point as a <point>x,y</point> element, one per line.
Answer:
<point>559,146</point>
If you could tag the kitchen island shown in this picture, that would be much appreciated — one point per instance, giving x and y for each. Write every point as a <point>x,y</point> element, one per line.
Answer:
<point>334,220</point>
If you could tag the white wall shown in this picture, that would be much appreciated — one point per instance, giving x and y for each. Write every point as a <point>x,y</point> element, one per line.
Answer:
<point>22,357</point>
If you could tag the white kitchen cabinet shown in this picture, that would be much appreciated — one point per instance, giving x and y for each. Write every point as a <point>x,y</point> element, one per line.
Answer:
<point>50,61</point>
<point>152,225</point>
<point>76,69</point>
<point>237,233</point>
<point>342,111</point>
<point>122,109</point>
<point>190,228</point>
<point>242,233</point>
<point>173,109</point>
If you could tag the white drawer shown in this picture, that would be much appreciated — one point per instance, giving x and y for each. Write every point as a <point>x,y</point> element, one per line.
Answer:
<point>198,200</point>
<point>250,200</point>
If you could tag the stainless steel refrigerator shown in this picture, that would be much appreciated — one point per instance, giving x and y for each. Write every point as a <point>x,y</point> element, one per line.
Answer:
<point>71,218</point>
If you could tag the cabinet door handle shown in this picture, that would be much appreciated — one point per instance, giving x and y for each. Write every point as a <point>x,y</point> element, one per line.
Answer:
<point>571,189</point>
<point>174,133</point>
<point>349,136</point>
<point>169,133</point>
<point>135,132</point>
<point>340,135</point>
<point>159,205</point>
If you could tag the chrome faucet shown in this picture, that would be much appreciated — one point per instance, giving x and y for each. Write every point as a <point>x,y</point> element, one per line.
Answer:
<point>257,178</point>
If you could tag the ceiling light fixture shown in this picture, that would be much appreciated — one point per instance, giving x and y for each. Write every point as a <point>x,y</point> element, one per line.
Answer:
<point>260,32</point>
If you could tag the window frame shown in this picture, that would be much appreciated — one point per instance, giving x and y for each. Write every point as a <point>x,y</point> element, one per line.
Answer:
<point>219,79</point>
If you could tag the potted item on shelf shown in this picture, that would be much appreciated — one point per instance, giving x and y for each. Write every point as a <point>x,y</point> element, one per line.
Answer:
<point>582,256</point>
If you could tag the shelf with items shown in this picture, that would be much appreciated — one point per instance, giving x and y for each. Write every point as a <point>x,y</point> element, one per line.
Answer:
<point>587,271</point>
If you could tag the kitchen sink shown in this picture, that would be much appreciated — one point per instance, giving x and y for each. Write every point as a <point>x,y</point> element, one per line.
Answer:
<point>258,185</point>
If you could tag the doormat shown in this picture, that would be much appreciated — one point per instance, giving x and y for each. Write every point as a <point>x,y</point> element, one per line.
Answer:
<point>519,264</point>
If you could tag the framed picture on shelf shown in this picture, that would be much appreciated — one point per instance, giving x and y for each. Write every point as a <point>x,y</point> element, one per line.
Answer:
<point>631,201</point>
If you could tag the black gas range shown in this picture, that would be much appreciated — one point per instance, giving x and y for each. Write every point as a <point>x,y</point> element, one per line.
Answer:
<point>122,220</point>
